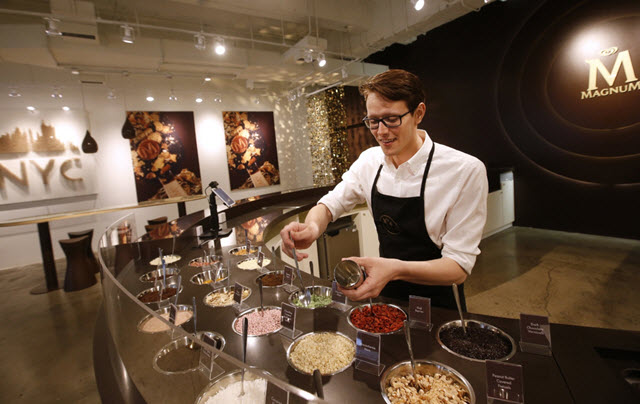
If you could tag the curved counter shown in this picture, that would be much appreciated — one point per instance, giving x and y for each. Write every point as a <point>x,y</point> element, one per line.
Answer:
<point>123,356</point>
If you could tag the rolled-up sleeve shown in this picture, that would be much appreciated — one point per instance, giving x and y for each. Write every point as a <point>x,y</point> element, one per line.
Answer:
<point>348,193</point>
<point>465,220</point>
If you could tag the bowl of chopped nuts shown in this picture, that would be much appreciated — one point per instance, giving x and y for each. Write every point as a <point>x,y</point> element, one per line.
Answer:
<point>433,382</point>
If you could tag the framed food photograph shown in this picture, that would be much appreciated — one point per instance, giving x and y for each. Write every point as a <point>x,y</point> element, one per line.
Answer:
<point>252,156</point>
<point>164,154</point>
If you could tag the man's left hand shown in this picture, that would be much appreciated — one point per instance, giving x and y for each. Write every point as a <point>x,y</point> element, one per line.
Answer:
<point>379,272</point>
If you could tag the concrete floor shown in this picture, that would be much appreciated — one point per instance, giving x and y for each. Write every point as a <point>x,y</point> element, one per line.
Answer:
<point>46,343</point>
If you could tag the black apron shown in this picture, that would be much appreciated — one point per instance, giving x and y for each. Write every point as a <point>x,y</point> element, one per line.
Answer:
<point>402,233</point>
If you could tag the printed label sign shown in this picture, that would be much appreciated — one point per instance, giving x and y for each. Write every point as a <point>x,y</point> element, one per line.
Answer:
<point>288,316</point>
<point>206,356</point>
<point>276,395</point>
<point>260,258</point>
<point>420,309</point>
<point>237,293</point>
<point>535,329</point>
<point>336,295</point>
<point>505,382</point>
<point>288,275</point>
<point>173,311</point>
<point>368,347</point>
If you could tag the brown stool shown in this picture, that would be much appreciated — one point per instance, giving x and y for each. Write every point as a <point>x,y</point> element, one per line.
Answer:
<point>79,268</point>
<point>89,252</point>
<point>157,220</point>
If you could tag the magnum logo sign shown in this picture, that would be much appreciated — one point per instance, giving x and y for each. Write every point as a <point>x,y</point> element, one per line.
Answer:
<point>596,66</point>
<point>592,81</point>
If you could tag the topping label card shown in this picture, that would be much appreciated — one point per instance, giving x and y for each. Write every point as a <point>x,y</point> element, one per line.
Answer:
<point>173,310</point>
<point>260,258</point>
<point>237,293</point>
<point>505,382</point>
<point>336,295</point>
<point>288,275</point>
<point>420,309</point>
<point>368,347</point>
<point>276,395</point>
<point>288,316</point>
<point>535,329</point>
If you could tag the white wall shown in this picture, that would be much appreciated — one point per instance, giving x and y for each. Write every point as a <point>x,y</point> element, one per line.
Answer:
<point>114,180</point>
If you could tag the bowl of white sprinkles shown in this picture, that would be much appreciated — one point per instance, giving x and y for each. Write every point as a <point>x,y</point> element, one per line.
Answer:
<point>226,389</point>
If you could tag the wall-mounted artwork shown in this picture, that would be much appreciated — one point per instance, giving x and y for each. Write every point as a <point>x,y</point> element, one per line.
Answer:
<point>165,156</point>
<point>252,155</point>
<point>40,156</point>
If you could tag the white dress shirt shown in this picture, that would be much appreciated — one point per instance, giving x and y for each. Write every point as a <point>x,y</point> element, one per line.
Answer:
<point>455,196</point>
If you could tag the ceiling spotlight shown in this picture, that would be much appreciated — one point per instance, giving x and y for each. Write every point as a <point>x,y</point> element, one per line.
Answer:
<point>111,95</point>
<point>30,108</point>
<point>256,100</point>
<point>56,93</point>
<point>128,35</point>
<point>13,92</point>
<point>219,47</point>
<point>418,4</point>
<point>65,108</point>
<point>150,98</point>
<point>308,56</point>
<point>207,78</point>
<point>198,100</point>
<point>172,96</point>
<point>321,60</point>
<point>75,72</point>
<point>292,95</point>
<point>200,42</point>
<point>344,73</point>
<point>52,27</point>
<point>217,98</point>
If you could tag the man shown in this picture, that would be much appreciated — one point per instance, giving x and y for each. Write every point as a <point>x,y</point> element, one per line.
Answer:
<point>428,200</point>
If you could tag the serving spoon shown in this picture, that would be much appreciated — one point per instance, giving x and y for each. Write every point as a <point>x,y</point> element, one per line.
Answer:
<point>306,300</point>
<point>407,337</point>
<point>457,297</point>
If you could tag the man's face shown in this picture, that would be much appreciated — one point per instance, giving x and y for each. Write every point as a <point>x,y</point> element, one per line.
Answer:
<point>399,142</point>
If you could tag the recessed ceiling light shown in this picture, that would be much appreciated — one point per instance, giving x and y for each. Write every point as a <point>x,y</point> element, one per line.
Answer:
<point>65,108</point>
<point>14,93</point>
<point>172,96</point>
<point>30,108</point>
<point>219,47</point>
<point>111,95</point>
<point>150,98</point>
<point>207,78</point>
<point>75,71</point>
<point>198,100</point>
<point>418,4</point>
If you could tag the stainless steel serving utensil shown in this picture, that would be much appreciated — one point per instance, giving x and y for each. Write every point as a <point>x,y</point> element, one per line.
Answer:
<point>173,244</point>
<point>195,317</point>
<point>371,307</point>
<point>245,331</point>
<point>306,300</point>
<point>457,296</point>
<point>407,337</point>
<point>317,378</point>
<point>313,281</point>
<point>261,306</point>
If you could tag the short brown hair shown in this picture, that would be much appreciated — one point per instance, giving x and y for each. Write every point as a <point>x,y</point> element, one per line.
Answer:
<point>395,85</point>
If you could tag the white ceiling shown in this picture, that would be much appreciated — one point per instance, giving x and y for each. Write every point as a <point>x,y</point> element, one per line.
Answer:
<point>265,38</point>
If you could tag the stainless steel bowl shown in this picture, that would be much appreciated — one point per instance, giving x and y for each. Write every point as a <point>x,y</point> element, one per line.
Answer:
<point>242,251</point>
<point>226,289</point>
<point>474,323</point>
<point>270,273</point>
<point>295,343</point>
<point>233,324</point>
<point>375,304</point>
<point>164,310</point>
<point>185,342</point>
<point>156,274</point>
<point>209,277</point>
<point>323,291</point>
<point>224,381</point>
<point>173,283</point>
<point>424,366</point>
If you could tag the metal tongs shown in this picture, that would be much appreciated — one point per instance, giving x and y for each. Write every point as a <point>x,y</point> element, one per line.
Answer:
<point>457,296</point>
<point>306,300</point>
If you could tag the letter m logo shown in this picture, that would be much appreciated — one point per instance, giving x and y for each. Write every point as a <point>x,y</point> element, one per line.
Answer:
<point>595,66</point>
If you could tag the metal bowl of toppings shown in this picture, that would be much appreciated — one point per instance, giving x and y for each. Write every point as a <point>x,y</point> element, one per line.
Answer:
<point>157,294</point>
<point>182,355</point>
<point>320,297</point>
<point>209,277</point>
<point>242,250</point>
<point>157,274</point>
<point>434,383</point>
<point>329,352</point>
<point>151,324</point>
<point>226,388</point>
<point>252,263</point>
<point>482,341</point>
<point>271,279</point>
<point>223,297</point>
<point>386,318</point>
<point>205,261</point>
<point>261,322</point>
<point>168,259</point>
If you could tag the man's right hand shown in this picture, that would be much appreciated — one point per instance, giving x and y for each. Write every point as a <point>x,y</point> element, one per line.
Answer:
<point>299,236</point>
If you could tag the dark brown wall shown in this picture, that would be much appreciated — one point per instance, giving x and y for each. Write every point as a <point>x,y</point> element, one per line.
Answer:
<point>504,84</point>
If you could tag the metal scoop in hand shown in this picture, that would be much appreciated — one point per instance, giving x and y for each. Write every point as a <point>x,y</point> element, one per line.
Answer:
<point>457,296</point>
<point>305,300</point>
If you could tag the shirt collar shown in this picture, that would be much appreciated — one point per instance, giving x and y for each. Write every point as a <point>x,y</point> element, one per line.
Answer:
<point>416,163</point>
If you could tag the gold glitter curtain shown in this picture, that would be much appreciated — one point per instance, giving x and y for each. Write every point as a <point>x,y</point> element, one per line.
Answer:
<point>327,123</point>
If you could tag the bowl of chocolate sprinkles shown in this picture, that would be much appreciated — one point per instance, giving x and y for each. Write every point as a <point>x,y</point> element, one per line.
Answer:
<point>482,341</point>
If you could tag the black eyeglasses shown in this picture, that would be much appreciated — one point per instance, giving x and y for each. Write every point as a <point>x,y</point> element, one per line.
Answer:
<point>392,121</point>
